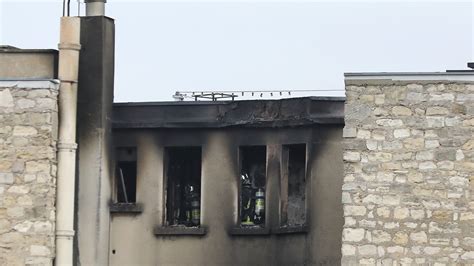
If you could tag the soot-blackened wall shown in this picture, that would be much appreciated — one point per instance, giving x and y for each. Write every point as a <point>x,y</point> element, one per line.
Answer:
<point>132,235</point>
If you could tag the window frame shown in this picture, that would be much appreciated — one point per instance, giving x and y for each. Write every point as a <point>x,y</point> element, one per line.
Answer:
<point>117,206</point>
<point>283,226</point>
<point>165,229</point>
<point>238,229</point>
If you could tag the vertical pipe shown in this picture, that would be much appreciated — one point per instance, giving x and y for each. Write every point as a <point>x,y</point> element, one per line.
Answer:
<point>95,7</point>
<point>69,48</point>
<point>66,4</point>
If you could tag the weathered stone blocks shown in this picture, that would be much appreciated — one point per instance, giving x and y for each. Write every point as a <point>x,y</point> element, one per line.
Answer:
<point>27,175</point>
<point>409,173</point>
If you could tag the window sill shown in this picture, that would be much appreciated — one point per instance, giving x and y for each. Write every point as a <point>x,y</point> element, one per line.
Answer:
<point>179,231</point>
<point>295,229</point>
<point>121,207</point>
<point>249,231</point>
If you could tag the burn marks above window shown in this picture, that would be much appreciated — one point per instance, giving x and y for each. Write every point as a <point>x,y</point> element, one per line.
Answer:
<point>126,175</point>
<point>293,185</point>
<point>183,186</point>
<point>252,185</point>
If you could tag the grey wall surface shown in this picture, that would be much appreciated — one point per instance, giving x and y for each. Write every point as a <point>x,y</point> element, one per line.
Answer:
<point>132,236</point>
<point>28,64</point>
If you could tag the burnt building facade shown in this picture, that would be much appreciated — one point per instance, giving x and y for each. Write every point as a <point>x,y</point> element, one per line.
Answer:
<point>227,183</point>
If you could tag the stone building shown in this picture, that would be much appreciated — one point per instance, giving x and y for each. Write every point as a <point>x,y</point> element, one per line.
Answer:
<point>28,139</point>
<point>388,181</point>
<point>409,169</point>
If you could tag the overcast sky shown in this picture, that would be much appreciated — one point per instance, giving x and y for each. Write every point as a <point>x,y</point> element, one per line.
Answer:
<point>165,46</point>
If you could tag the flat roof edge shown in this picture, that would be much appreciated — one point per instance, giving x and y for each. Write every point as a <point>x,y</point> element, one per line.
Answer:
<point>468,73</point>
<point>30,83</point>
<point>336,120</point>
<point>29,51</point>
<point>415,76</point>
<point>312,98</point>
<point>256,113</point>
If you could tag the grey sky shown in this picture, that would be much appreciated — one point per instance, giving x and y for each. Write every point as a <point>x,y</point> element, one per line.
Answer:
<point>163,46</point>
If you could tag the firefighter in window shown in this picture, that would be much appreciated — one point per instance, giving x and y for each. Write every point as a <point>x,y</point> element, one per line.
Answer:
<point>253,196</point>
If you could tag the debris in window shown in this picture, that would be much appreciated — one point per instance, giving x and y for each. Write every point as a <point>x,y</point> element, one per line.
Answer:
<point>183,197</point>
<point>296,205</point>
<point>126,175</point>
<point>253,182</point>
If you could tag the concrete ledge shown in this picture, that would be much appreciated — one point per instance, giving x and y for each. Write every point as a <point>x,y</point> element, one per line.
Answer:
<point>179,231</point>
<point>30,83</point>
<point>297,229</point>
<point>249,231</point>
<point>33,63</point>
<point>466,75</point>
<point>120,207</point>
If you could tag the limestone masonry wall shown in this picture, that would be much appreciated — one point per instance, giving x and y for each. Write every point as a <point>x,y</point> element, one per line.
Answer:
<point>409,173</point>
<point>28,129</point>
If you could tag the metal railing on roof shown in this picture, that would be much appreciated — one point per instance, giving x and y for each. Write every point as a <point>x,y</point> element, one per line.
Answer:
<point>232,95</point>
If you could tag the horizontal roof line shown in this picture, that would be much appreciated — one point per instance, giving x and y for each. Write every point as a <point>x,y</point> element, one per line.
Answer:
<point>467,76</point>
<point>30,83</point>
<point>250,91</point>
<point>450,73</point>
<point>28,51</point>
<point>30,79</point>
<point>314,98</point>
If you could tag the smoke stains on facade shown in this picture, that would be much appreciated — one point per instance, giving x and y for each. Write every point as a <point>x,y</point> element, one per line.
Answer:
<point>212,176</point>
<point>238,183</point>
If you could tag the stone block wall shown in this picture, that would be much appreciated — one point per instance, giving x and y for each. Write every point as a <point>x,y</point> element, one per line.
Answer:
<point>408,191</point>
<point>28,130</point>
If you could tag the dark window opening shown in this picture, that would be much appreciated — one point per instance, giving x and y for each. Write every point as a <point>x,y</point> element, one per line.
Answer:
<point>294,185</point>
<point>126,175</point>
<point>252,185</point>
<point>183,193</point>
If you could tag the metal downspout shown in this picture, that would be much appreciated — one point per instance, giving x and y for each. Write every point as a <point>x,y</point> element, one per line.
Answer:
<point>66,8</point>
<point>69,48</point>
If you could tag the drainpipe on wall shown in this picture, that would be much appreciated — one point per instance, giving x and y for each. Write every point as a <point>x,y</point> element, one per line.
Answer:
<point>69,47</point>
<point>95,7</point>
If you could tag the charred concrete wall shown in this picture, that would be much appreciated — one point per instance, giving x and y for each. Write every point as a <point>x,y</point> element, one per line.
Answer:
<point>132,237</point>
<point>409,172</point>
<point>95,98</point>
<point>28,135</point>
